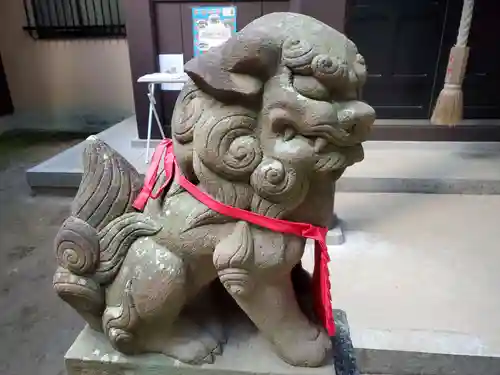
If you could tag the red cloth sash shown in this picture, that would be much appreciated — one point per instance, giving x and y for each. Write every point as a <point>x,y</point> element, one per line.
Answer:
<point>321,277</point>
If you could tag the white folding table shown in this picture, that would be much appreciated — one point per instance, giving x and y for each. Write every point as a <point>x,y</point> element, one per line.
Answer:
<point>152,80</point>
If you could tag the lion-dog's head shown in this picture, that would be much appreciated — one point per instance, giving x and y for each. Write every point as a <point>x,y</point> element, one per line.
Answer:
<point>272,117</point>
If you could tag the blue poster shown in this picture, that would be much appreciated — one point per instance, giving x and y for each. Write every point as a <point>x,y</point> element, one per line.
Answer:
<point>212,26</point>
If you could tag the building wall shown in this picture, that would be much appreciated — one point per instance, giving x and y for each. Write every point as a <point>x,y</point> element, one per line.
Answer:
<point>63,85</point>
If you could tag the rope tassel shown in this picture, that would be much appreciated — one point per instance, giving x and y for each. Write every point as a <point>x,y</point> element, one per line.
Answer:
<point>449,105</point>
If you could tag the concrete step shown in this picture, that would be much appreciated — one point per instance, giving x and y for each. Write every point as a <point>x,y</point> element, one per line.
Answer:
<point>402,167</point>
<point>426,167</point>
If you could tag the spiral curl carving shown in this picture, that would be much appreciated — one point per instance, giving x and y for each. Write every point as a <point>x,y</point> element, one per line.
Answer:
<point>333,73</point>
<point>188,113</point>
<point>77,246</point>
<point>298,55</point>
<point>228,145</point>
<point>278,183</point>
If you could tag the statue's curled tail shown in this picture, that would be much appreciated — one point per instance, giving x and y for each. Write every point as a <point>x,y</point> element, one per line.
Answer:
<point>92,243</point>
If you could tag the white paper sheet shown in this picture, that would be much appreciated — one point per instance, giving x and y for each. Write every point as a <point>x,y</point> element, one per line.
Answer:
<point>173,64</point>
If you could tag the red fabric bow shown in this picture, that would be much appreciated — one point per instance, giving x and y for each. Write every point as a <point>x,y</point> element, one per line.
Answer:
<point>321,277</point>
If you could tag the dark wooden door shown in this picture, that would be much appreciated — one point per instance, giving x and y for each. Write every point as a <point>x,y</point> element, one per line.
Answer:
<point>6,106</point>
<point>400,41</point>
<point>275,6</point>
<point>480,86</point>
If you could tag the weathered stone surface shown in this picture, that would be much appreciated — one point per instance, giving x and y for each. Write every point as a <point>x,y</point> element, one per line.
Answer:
<point>267,123</point>
<point>244,354</point>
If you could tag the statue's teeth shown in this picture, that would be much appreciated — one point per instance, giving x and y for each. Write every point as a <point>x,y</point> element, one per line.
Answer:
<point>289,134</point>
<point>320,144</point>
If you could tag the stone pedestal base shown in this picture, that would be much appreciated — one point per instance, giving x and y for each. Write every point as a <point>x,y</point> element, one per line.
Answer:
<point>91,354</point>
<point>335,234</point>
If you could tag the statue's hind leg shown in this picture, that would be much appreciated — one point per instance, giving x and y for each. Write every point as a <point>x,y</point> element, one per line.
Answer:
<point>194,337</point>
<point>144,303</point>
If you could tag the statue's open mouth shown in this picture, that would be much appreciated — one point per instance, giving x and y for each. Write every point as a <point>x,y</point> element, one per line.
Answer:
<point>320,143</point>
<point>322,136</point>
<point>330,155</point>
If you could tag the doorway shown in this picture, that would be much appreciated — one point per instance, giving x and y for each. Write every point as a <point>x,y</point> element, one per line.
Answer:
<point>406,45</point>
<point>401,43</point>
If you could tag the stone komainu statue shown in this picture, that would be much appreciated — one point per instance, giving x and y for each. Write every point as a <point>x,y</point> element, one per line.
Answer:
<point>267,122</point>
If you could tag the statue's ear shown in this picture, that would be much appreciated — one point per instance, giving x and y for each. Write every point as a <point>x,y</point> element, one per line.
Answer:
<point>236,69</point>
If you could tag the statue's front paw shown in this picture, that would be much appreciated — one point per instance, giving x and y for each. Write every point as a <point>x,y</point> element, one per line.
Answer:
<point>306,349</point>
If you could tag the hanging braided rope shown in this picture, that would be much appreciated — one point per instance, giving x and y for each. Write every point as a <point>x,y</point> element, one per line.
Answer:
<point>449,106</point>
<point>465,22</point>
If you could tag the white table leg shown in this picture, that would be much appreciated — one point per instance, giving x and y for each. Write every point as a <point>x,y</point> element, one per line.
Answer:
<point>158,122</point>
<point>151,95</point>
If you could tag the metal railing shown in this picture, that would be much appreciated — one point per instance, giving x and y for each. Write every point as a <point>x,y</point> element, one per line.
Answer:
<point>68,19</point>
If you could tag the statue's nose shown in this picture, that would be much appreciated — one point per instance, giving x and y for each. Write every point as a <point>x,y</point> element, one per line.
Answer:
<point>356,114</point>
